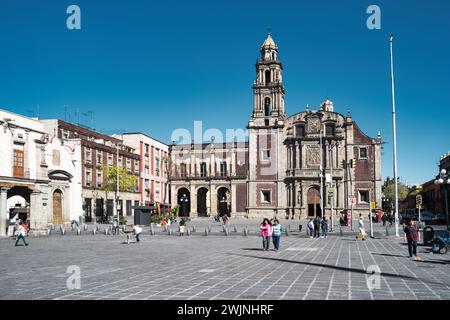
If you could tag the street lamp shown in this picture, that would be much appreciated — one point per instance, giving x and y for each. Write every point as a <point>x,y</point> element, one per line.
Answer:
<point>444,178</point>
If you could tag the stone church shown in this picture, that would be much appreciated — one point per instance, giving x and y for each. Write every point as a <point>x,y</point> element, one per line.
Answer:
<point>315,162</point>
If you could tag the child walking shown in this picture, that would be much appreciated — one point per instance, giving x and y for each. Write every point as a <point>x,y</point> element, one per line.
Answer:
<point>276,235</point>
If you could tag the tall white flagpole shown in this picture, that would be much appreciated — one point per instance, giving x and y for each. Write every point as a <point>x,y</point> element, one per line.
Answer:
<point>391,39</point>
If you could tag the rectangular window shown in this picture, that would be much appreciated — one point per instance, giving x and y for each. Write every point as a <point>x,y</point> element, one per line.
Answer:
<point>265,155</point>
<point>56,158</point>
<point>99,180</point>
<point>300,131</point>
<point>183,170</point>
<point>363,196</point>
<point>18,163</point>
<point>87,157</point>
<point>223,169</point>
<point>157,169</point>
<point>363,153</point>
<point>88,178</point>
<point>203,169</point>
<point>266,196</point>
<point>99,157</point>
<point>110,160</point>
<point>329,130</point>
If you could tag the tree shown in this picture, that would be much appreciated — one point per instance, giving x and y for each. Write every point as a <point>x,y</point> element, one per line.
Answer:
<point>167,161</point>
<point>388,191</point>
<point>127,182</point>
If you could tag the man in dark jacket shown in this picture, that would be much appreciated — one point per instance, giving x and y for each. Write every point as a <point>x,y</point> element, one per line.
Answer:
<point>412,233</point>
<point>317,223</point>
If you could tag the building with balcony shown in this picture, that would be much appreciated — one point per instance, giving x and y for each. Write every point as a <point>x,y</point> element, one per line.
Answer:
<point>39,177</point>
<point>98,153</point>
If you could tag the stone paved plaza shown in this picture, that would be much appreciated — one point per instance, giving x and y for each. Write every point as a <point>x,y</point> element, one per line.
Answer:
<point>220,267</point>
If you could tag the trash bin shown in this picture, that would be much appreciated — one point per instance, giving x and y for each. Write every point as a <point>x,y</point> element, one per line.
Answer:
<point>428,235</point>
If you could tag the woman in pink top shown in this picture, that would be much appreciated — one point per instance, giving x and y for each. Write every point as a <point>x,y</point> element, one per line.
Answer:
<point>266,233</point>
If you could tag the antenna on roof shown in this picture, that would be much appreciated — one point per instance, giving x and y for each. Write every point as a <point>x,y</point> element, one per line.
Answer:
<point>66,107</point>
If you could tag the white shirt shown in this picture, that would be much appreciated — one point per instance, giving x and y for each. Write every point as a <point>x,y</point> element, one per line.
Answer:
<point>21,231</point>
<point>137,229</point>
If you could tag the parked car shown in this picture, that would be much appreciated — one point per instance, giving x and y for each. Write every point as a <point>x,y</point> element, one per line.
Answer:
<point>426,216</point>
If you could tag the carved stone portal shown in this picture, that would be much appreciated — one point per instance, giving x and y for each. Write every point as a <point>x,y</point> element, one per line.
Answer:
<point>313,125</point>
<point>313,156</point>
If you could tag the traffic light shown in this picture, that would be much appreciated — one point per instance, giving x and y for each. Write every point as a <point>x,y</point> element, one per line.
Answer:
<point>353,163</point>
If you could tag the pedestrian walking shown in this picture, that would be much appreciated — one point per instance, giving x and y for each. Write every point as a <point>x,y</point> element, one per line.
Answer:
<point>310,227</point>
<point>21,233</point>
<point>317,222</point>
<point>324,227</point>
<point>276,235</point>
<point>412,234</point>
<point>137,231</point>
<point>266,231</point>
<point>361,231</point>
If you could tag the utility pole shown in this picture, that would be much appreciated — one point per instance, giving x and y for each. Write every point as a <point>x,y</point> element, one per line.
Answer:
<point>321,172</point>
<point>391,39</point>
<point>332,194</point>
<point>117,183</point>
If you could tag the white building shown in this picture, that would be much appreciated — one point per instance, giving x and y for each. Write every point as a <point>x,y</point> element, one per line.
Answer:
<point>37,177</point>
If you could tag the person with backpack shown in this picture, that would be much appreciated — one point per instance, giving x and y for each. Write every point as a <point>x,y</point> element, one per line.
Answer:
<point>21,233</point>
<point>412,234</point>
<point>276,235</point>
<point>266,232</point>
<point>310,227</point>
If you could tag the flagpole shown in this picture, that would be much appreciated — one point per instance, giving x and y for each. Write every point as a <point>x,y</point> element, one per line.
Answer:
<point>391,39</point>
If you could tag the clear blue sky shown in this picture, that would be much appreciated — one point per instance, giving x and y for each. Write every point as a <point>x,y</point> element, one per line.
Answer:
<point>154,66</point>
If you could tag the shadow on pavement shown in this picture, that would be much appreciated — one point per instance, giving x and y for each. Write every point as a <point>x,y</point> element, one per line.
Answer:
<point>327,266</point>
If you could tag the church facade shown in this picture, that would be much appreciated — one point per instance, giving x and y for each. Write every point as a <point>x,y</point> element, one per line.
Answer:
<point>315,162</point>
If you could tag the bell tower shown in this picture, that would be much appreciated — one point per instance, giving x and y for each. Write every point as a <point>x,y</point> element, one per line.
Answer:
<point>268,89</point>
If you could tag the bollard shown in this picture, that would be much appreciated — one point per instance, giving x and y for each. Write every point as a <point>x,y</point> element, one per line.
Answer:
<point>53,227</point>
<point>169,231</point>
<point>226,232</point>
<point>300,228</point>
<point>49,231</point>
<point>165,229</point>
<point>209,229</point>
<point>245,232</point>
<point>63,231</point>
<point>224,229</point>
<point>78,231</point>
<point>235,229</point>
<point>98,228</point>
<point>194,228</point>
<point>152,231</point>
<point>387,231</point>
<point>106,232</point>
<point>288,227</point>
<point>206,231</point>
<point>341,233</point>
<point>94,231</point>
<point>287,232</point>
<point>188,232</point>
<point>85,227</point>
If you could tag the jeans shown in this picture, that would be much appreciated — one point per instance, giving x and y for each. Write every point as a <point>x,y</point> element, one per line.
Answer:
<point>276,242</point>
<point>324,232</point>
<point>266,241</point>
<point>316,232</point>
<point>310,232</point>
<point>137,237</point>
<point>21,236</point>
<point>412,247</point>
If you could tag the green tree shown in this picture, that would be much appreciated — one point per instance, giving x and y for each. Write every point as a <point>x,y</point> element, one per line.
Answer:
<point>127,182</point>
<point>388,191</point>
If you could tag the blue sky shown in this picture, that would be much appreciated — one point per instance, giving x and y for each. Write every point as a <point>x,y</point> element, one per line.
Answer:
<point>154,66</point>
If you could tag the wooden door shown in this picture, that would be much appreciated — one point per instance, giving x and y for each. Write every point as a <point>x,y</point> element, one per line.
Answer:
<point>57,207</point>
<point>18,163</point>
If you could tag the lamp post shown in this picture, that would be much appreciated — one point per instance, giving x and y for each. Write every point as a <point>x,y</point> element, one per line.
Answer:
<point>117,184</point>
<point>444,179</point>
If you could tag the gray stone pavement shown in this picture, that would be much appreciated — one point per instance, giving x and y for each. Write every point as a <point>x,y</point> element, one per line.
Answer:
<point>220,267</point>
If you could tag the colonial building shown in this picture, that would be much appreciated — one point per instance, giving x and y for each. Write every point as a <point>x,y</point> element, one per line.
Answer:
<point>100,151</point>
<point>38,175</point>
<point>209,178</point>
<point>307,164</point>
<point>153,157</point>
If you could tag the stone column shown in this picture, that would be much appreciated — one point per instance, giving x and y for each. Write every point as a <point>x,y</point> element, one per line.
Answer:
<point>3,211</point>
<point>38,213</point>
<point>193,201</point>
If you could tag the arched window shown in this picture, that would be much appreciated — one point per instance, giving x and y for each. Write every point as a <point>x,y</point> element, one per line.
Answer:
<point>268,77</point>
<point>267,107</point>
